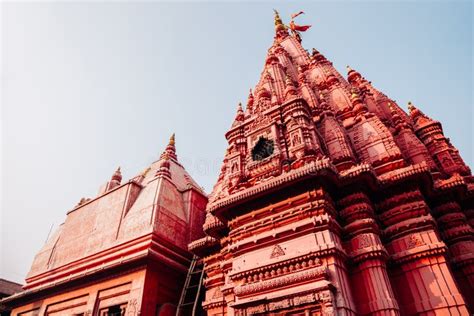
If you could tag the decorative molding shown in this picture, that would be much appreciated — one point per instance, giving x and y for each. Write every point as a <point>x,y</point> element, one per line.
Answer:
<point>313,274</point>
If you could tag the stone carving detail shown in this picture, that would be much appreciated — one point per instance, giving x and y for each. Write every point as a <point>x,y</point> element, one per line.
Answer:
<point>304,299</point>
<point>283,304</point>
<point>279,268</point>
<point>279,304</point>
<point>364,241</point>
<point>414,241</point>
<point>132,307</point>
<point>277,252</point>
<point>311,274</point>
<point>256,309</point>
<point>217,293</point>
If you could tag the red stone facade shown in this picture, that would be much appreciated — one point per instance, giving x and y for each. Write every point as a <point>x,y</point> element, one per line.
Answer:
<point>332,200</point>
<point>123,252</point>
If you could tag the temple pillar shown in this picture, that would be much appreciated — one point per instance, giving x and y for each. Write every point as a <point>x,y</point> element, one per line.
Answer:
<point>458,234</point>
<point>372,290</point>
<point>215,303</point>
<point>422,281</point>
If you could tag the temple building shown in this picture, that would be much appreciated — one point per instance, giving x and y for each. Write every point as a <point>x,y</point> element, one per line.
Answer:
<point>331,200</point>
<point>123,252</point>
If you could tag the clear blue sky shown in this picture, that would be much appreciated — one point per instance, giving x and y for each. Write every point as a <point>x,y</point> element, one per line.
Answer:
<point>90,86</point>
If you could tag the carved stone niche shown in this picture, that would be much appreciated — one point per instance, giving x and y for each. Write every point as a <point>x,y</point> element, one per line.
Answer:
<point>264,153</point>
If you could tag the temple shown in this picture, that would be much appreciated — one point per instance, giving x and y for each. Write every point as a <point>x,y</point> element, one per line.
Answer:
<point>123,252</point>
<point>332,200</point>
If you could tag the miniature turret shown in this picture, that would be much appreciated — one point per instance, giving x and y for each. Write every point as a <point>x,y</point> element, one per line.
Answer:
<point>250,100</point>
<point>413,150</point>
<point>116,179</point>
<point>431,134</point>
<point>239,117</point>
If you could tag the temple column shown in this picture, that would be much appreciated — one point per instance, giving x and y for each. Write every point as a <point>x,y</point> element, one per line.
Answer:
<point>468,210</point>
<point>420,276</point>
<point>458,234</point>
<point>372,290</point>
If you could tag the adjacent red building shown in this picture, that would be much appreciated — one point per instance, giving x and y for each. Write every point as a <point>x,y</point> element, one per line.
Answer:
<point>123,252</point>
<point>331,200</point>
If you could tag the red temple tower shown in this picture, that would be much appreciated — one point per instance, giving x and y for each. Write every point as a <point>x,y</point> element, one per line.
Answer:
<point>332,200</point>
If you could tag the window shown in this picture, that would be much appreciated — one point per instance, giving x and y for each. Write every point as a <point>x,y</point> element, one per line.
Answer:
<point>115,310</point>
<point>262,149</point>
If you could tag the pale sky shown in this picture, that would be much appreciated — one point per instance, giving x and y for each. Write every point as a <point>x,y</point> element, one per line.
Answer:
<point>89,86</point>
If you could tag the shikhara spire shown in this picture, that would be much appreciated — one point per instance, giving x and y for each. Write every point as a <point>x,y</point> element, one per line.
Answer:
<point>332,172</point>
<point>367,121</point>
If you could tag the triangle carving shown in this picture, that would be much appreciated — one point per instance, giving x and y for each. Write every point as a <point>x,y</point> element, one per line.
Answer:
<point>277,252</point>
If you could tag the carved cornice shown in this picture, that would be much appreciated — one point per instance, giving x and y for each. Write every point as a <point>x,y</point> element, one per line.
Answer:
<point>144,246</point>
<point>280,268</point>
<point>369,252</point>
<point>403,212</point>
<point>313,274</point>
<point>212,225</point>
<point>361,225</point>
<point>279,219</point>
<point>458,232</point>
<point>402,198</point>
<point>203,245</point>
<point>314,223</point>
<point>213,303</point>
<point>402,174</point>
<point>408,226</point>
<point>419,251</point>
<point>321,167</point>
<point>448,184</point>
<point>311,169</point>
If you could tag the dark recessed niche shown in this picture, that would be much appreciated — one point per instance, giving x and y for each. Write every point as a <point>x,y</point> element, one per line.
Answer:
<point>262,149</point>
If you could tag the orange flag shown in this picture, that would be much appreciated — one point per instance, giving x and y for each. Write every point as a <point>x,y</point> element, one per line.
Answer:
<point>300,28</point>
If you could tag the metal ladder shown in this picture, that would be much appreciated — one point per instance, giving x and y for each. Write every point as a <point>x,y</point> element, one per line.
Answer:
<point>191,295</point>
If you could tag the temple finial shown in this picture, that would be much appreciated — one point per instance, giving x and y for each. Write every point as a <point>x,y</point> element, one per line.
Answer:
<point>352,75</point>
<point>240,111</point>
<point>278,20</point>
<point>239,117</point>
<point>250,100</point>
<point>170,149</point>
<point>117,176</point>
<point>279,26</point>
<point>115,180</point>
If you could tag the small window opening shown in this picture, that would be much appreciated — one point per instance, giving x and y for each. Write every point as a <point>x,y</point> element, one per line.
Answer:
<point>263,149</point>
